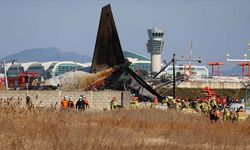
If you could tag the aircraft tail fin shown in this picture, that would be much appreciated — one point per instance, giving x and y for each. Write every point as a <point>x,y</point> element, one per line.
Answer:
<point>108,51</point>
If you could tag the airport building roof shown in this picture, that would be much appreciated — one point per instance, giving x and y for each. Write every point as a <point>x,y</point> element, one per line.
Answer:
<point>134,55</point>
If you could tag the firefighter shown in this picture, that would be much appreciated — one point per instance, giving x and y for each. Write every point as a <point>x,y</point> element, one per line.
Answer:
<point>202,106</point>
<point>80,103</point>
<point>177,103</point>
<point>165,102</point>
<point>198,106</point>
<point>86,103</point>
<point>214,114</point>
<point>113,104</point>
<point>155,102</point>
<point>226,114</point>
<point>64,103</point>
<point>205,107</point>
<point>134,104</point>
<point>70,103</point>
<point>213,102</point>
<point>184,103</point>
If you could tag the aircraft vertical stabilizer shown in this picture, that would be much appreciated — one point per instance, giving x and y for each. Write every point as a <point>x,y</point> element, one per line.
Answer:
<point>108,51</point>
<point>108,54</point>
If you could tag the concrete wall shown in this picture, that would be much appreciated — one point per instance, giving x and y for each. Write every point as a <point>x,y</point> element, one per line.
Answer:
<point>215,85</point>
<point>99,100</point>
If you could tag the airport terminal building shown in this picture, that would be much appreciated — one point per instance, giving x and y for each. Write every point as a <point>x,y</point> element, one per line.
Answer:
<point>138,62</point>
<point>56,68</point>
<point>52,69</point>
<point>45,69</point>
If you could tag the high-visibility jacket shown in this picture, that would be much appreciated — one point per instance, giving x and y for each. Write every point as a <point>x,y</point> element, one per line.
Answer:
<point>134,105</point>
<point>86,103</point>
<point>113,105</point>
<point>64,104</point>
<point>213,103</point>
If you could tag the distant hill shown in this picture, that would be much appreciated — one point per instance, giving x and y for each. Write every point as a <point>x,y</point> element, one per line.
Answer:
<point>46,54</point>
<point>234,71</point>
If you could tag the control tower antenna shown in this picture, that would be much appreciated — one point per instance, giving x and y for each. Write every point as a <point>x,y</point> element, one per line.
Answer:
<point>190,52</point>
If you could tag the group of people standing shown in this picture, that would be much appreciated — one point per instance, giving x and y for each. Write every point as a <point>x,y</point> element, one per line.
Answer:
<point>134,104</point>
<point>217,107</point>
<point>81,104</point>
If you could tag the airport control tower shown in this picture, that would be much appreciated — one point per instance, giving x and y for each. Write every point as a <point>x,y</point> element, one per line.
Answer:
<point>155,46</point>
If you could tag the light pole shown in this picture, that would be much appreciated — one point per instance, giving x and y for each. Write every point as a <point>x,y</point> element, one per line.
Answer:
<point>174,82</point>
<point>5,76</point>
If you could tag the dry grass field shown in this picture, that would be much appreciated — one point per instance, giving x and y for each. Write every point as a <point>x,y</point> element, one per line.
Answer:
<point>122,129</point>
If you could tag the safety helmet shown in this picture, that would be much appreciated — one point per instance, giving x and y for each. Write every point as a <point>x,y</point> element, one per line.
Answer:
<point>65,97</point>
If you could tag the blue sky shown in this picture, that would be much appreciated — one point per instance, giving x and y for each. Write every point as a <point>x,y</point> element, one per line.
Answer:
<point>216,27</point>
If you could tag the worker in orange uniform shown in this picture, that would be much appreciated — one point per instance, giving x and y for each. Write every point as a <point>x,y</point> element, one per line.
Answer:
<point>64,103</point>
<point>86,103</point>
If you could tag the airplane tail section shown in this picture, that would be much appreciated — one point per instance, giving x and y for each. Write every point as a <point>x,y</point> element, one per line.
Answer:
<point>108,51</point>
<point>108,54</point>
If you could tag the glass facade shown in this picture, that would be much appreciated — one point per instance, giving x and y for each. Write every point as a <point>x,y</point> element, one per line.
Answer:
<point>155,42</point>
<point>66,67</point>
<point>37,68</point>
<point>138,61</point>
<point>14,70</point>
<point>49,71</point>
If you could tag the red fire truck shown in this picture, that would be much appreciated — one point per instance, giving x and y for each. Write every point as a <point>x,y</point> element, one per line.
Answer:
<point>24,80</point>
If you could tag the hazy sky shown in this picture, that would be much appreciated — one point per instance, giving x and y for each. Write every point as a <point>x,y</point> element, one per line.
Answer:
<point>216,27</point>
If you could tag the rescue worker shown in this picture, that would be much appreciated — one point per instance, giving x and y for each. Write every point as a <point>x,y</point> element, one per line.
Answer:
<point>113,104</point>
<point>64,103</point>
<point>171,102</point>
<point>198,107</point>
<point>80,103</point>
<point>224,101</point>
<point>165,102</point>
<point>213,102</point>
<point>29,103</point>
<point>70,103</point>
<point>86,103</point>
<point>184,103</point>
<point>214,114</point>
<point>177,103</point>
<point>205,107</point>
<point>217,114</point>
<point>134,104</point>
<point>226,114</point>
<point>155,102</point>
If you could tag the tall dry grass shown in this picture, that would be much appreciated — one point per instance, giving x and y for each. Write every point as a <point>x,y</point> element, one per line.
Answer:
<point>123,129</point>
